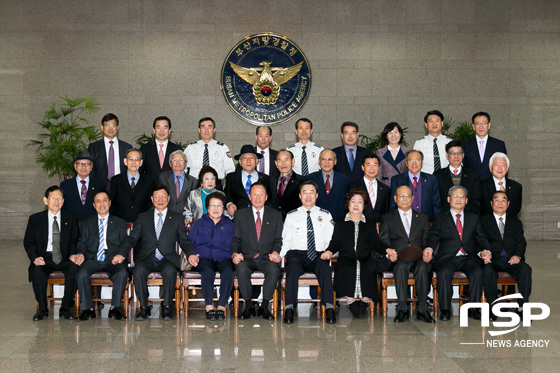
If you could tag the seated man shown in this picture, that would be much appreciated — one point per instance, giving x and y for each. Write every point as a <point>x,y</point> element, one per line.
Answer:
<point>401,228</point>
<point>460,237</point>
<point>508,245</point>
<point>499,167</point>
<point>307,233</point>
<point>98,250</point>
<point>50,242</point>
<point>284,189</point>
<point>257,240</point>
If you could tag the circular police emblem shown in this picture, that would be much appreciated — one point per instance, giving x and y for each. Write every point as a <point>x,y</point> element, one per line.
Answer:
<point>266,79</point>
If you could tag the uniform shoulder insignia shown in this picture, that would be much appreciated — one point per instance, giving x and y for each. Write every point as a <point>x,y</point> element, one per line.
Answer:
<point>323,210</point>
<point>421,138</point>
<point>194,142</point>
<point>332,222</point>
<point>220,143</point>
<point>291,146</point>
<point>294,210</point>
<point>317,145</point>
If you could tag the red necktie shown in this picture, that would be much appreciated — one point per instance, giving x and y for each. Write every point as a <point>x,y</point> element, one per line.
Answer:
<point>178,186</point>
<point>258,225</point>
<point>455,172</point>
<point>83,192</point>
<point>161,155</point>
<point>415,182</point>
<point>328,184</point>
<point>460,230</point>
<point>501,184</point>
<point>281,187</point>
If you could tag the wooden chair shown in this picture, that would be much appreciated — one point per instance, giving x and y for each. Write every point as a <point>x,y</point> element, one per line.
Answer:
<point>257,279</point>
<point>387,279</point>
<point>192,280</point>
<point>57,278</point>
<point>307,279</point>
<point>505,280</point>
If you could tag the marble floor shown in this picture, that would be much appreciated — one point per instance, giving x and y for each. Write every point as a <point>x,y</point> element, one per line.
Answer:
<point>309,345</point>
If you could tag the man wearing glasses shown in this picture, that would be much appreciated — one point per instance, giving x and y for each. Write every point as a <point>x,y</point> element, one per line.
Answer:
<point>178,181</point>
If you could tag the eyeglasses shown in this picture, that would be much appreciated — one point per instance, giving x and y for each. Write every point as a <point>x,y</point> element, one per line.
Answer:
<point>161,197</point>
<point>83,164</point>
<point>179,160</point>
<point>458,196</point>
<point>56,198</point>
<point>327,159</point>
<point>456,153</point>
<point>216,206</point>
<point>404,196</point>
<point>111,125</point>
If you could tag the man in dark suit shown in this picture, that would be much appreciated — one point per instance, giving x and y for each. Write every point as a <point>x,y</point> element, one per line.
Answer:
<point>79,190</point>
<point>256,244</point>
<point>505,234</point>
<point>284,188</point>
<point>424,186</point>
<point>462,247</point>
<point>132,191</point>
<point>50,242</point>
<point>332,185</point>
<point>379,193</point>
<point>98,250</point>
<point>158,231</point>
<point>266,164</point>
<point>456,174</point>
<point>479,148</point>
<point>349,156</point>
<point>109,152</point>
<point>499,166</point>
<point>401,228</point>
<point>156,153</point>
<point>177,181</point>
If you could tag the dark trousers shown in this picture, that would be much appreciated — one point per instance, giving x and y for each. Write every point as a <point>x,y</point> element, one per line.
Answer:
<point>117,273</point>
<point>420,270</point>
<point>521,272</point>
<point>207,269</point>
<point>39,276</point>
<point>140,277</point>
<point>244,270</point>
<point>472,268</point>
<point>297,263</point>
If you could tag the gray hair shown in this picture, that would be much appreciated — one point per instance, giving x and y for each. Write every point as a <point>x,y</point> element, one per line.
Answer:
<point>455,187</point>
<point>175,153</point>
<point>499,155</point>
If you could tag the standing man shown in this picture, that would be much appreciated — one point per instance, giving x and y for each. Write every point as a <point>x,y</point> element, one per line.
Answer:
<point>50,242</point>
<point>433,144</point>
<point>306,235</point>
<point>109,152</point>
<point>177,181</point>
<point>379,193</point>
<point>267,163</point>
<point>479,148</point>
<point>157,232</point>
<point>401,228</point>
<point>79,191</point>
<point>332,185</point>
<point>98,250</point>
<point>284,188</point>
<point>499,167</point>
<point>350,155</point>
<point>209,152</point>
<point>305,151</point>
<point>156,153</point>
<point>257,240</point>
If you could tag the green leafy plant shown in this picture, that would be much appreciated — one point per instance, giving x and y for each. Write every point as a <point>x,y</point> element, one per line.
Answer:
<point>66,132</point>
<point>376,143</point>
<point>462,131</point>
<point>145,138</point>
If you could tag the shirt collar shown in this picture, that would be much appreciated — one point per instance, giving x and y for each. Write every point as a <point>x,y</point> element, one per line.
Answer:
<point>348,218</point>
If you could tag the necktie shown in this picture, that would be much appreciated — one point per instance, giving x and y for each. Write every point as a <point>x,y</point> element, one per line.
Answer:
<point>415,182</point>
<point>351,159</point>
<point>455,172</point>
<point>206,157</point>
<point>481,150</point>
<point>161,155</point>
<point>178,186</point>
<point>371,193</point>
<point>502,228</point>
<point>328,185</point>
<point>132,184</point>
<point>83,192</point>
<point>460,230</point>
<point>437,162</point>
<point>248,184</point>
<point>258,225</point>
<point>261,162</point>
<point>281,187</point>
<point>304,168</point>
<point>501,184</point>
<point>56,254</point>
<point>101,248</point>
<point>311,254</point>
<point>158,231</point>
<point>406,223</point>
<point>111,161</point>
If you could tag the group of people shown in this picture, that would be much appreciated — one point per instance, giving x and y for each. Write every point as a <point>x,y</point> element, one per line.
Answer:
<point>397,210</point>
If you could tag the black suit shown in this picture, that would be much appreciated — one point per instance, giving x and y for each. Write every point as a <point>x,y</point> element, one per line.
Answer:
<point>514,191</point>
<point>99,154</point>
<point>472,156</point>
<point>88,245</point>
<point>290,198</point>
<point>513,243</point>
<point>150,165</point>
<point>431,204</point>
<point>393,235</point>
<point>444,233</point>
<point>342,165</point>
<point>127,203</point>
<point>235,189</point>
<point>334,201</point>
<point>469,180</point>
<point>72,200</point>
<point>144,231</point>
<point>35,243</point>
<point>168,178</point>
<point>382,199</point>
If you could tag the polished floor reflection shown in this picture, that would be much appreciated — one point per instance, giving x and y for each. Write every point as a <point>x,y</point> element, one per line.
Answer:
<point>309,345</point>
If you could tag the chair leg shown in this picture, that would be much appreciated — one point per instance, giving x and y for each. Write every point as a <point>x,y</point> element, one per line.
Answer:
<point>275,303</point>
<point>125,302</point>
<point>177,301</point>
<point>77,303</point>
<point>384,299</point>
<point>236,301</point>
<point>185,300</point>
<point>435,298</point>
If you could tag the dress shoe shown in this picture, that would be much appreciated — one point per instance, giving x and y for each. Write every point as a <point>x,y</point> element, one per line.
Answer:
<point>116,313</point>
<point>266,314</point>
<point>401,316</point>
<point>493,317</point>
<point>356,309</point>
<point>445,315</point>
<point>211,315</point>
<point>475,314</point>
<point>330,316</point>
<point>364,307</point>
<point>247,312</point>
<point>166,313</point>
<point>426,317</point>
<point>143,314</point>
<point>220,315</point>
<point>40,315</point>
<point>289,316</point>
<point>260,310</point>
<point>86,315</point>
<point>65,314</point>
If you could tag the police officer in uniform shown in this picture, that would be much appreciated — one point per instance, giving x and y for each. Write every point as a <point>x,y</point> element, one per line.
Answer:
<point>433,144</point>
<point>306,152</point>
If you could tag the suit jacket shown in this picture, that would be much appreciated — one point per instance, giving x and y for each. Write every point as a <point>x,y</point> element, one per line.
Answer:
<point>334,201</point>
<point>127,203</point>
<point>342,241</point>
<point>72,200</point>
<point>245,233</point>
<point>343,166</point>
<point>393,235</point>
<point>235,189</point>
<point>150,157</point>
<point>514,191</point>
<point>190,183</point>
<point>513,242</point>
<point>472,157</point>
<point>99,155</point>
<point>144,232</point>
<point>290,198</point>
<point>390,167</point>
<point>88,243</point>
<point>273,170</point>
<point>444,234</point>
<point>469,180</point>
<point>430,193</point>
<point>382,198</point>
